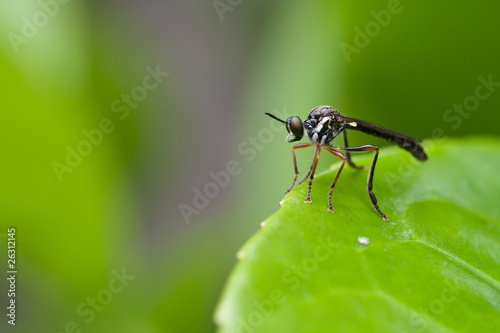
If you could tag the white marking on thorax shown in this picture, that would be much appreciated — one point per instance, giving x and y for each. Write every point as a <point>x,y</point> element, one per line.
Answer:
<point>315,138</point>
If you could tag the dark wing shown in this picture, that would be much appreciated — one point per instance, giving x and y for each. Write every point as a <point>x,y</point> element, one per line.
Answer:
<point>404,141</point>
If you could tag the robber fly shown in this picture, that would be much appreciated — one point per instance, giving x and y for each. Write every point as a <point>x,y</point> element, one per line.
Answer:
<point>322,125</point>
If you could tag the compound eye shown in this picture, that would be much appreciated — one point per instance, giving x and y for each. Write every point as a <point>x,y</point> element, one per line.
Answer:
<point>295,127</point>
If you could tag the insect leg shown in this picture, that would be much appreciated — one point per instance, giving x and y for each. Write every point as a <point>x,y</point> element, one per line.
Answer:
<point>308,172</point>
<point>341,156</point>
<point>348,155</point>
<point>317,151</point>
<point>300,145</point>
<point>369,186</point>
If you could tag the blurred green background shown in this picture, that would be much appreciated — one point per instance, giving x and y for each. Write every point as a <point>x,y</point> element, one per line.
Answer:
<point>99,157</point>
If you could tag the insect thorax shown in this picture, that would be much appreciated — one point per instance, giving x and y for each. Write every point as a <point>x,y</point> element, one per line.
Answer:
<point>321,125</point>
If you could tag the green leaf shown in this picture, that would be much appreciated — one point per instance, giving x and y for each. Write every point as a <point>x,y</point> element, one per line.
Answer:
<point>433,267</point>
